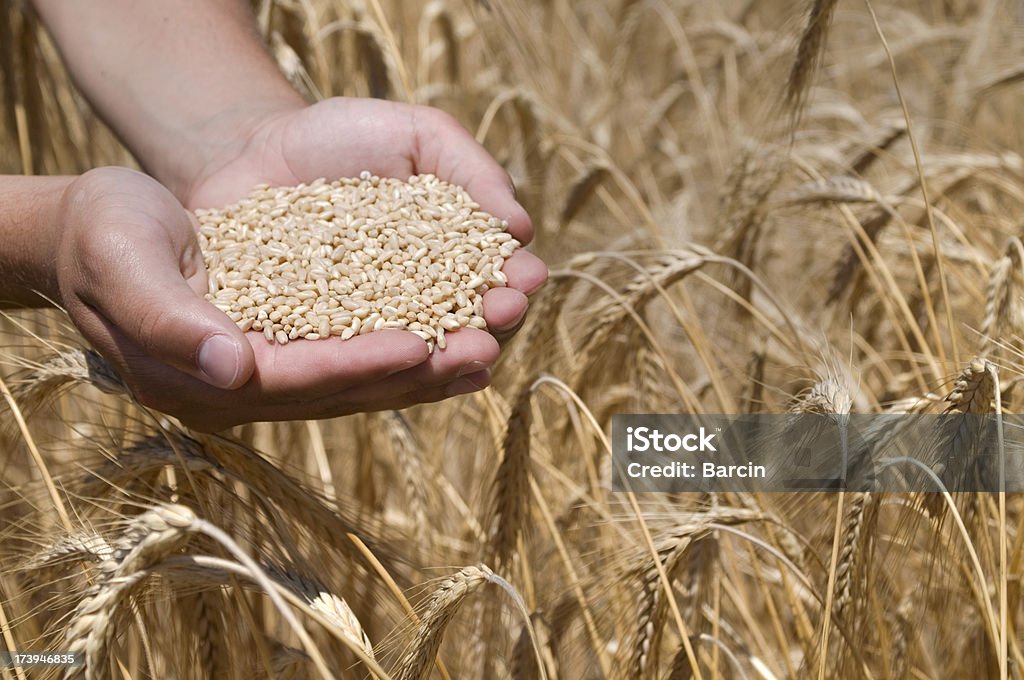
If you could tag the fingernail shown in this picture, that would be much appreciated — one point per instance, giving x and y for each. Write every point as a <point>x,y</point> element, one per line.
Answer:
<point>471,367</point>
<point>219,359</point>
<point>404,366</point>
<point>515,322</point>
<point>467,385</point>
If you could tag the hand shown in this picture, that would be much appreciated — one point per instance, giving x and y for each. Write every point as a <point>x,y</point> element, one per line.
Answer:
<point>131,276</point>
<point>341,137</point>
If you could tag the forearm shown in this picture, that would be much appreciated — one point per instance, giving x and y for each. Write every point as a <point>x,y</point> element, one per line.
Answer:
<point>178,81</point>
<point>29,233</point>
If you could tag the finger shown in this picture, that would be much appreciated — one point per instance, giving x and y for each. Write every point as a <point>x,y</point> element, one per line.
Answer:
<point>146,295</point>
<point>338,405</point>
<point>449,151</point>
<point>504,336</point>
<point>525,271</point>
<point>153,383</point>
<point>127,358</point>
<point>474,382</point>
<point>206,408</point>
<point>306,381</point>
<point>504,308</point>
<point>309,369</point>
<point>467,351</point>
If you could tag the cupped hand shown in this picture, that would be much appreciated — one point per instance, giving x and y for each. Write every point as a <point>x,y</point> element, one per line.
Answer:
<point>131,277</point>
<point>342,137</point>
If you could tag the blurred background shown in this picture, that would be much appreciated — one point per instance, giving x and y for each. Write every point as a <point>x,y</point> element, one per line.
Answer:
<point>767,206</point>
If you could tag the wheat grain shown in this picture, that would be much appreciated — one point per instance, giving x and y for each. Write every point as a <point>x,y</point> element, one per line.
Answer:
<point>354,256</point>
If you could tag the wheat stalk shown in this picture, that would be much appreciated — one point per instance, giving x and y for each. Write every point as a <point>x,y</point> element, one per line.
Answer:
<point>1002,300</point>
<point>147,538</point>
<point>808,55</point>
<point>511,484</point>
<point>444,603</point>
<point>333,608</point>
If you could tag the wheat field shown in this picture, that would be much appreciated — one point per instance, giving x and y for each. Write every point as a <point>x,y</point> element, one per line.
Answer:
<point>746,207</point>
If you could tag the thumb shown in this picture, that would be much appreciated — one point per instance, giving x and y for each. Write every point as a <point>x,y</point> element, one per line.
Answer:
<point>157,303</point>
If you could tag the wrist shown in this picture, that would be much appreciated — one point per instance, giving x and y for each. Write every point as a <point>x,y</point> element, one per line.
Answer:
<point>249,149</point>
<point>238,135</point>
<point>179,82</point>
<point>30,230</point>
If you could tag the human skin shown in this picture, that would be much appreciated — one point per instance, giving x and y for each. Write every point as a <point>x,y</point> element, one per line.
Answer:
<point>191,91</point>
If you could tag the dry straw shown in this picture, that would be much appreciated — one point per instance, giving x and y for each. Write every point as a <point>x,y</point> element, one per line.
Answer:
<point>354,256</point>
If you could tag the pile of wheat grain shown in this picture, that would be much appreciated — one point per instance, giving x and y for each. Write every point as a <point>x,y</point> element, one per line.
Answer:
<point>354,256</point>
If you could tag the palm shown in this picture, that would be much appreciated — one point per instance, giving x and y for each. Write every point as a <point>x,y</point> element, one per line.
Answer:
<point>341,138</point>
<point>335,138</point>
